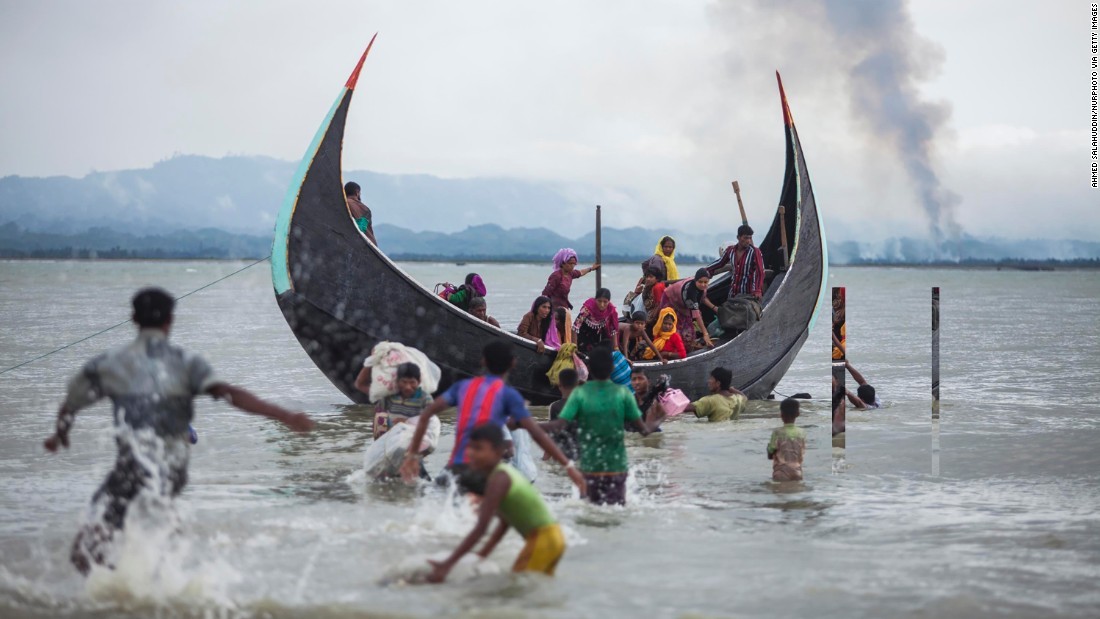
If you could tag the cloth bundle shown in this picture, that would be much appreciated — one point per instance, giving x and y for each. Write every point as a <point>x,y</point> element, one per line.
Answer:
<point>383,361</point>
<point>383,457</point>
<point>564,361</point>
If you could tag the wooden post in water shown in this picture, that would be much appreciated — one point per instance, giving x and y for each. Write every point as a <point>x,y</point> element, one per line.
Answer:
<point>936,352</point>
<point>599,247</point>
<point>936,381</point>
<point>839,357</point>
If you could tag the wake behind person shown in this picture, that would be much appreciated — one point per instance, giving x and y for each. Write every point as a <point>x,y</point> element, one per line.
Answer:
<point>479,400</point>
<point>152,385</point>
<point>359,212</point>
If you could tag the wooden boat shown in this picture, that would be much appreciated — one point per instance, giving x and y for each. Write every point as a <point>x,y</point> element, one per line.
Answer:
<point>341,295</point>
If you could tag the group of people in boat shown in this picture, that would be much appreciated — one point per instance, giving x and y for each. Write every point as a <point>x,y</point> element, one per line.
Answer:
<point>665,335</point>
<point>668,324</point>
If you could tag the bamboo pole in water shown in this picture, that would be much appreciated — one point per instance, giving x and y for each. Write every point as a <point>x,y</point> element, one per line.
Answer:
<point>936,352</point>
<point>936,381</point>
<point>599,253</point>
<point>839,356</point>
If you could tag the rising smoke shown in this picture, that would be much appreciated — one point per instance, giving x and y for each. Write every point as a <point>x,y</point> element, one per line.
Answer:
<point>864,52</point>
<point>888,62</point>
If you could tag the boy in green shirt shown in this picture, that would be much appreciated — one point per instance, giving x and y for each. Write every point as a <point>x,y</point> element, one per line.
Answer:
<point>788,445</point>
<point>600,408</point>
<point>724,402</point>
<point>515,502</point>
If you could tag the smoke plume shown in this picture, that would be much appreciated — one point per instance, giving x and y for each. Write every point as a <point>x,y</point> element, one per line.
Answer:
<point>888,61</point>
<point>863,55</point>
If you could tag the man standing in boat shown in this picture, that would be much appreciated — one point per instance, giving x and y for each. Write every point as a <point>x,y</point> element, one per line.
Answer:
<point>359,211</point>
<point>747,281</point>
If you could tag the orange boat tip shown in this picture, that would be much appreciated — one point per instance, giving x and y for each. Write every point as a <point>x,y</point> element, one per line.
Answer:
<point>359,67</point>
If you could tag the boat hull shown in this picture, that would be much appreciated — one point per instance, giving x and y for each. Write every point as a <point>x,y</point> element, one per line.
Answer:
<point>341,295</point>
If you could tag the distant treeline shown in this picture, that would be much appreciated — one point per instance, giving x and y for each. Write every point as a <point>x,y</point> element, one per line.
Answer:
<point>111,244</point>
<point>487,243</point>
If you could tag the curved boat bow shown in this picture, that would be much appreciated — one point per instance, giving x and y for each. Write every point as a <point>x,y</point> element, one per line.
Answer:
<point>341,295</point>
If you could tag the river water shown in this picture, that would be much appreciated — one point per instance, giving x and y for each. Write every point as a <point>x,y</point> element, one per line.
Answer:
<point>1004,523</point>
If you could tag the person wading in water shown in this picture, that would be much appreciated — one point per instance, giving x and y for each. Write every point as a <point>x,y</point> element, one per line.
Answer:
<point>152,385</point>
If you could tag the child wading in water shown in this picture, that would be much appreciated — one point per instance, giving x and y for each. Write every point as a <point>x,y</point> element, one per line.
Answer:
<point>514,502</point>
<point>601,408</point>
<point>403,406</point>
<point>788,445</point>
<point>480,400</point>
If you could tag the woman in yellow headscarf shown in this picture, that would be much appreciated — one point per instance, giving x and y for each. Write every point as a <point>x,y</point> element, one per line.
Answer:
<point>664,260</point>
<point>666,338</point>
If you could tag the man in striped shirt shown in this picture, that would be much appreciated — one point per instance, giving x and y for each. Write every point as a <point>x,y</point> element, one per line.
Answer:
<point>480,400</point>
<point>748,265</point>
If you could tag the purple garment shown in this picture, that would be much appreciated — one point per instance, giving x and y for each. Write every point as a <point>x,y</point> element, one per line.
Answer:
<point>477,285</point>
<point>563,256</point>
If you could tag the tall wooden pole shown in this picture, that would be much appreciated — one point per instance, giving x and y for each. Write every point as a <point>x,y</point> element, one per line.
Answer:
<point>936,352</point>
<point>783,236</point>
<point>839,356</point>
<point>936,381</point>
<point>740,204</point>
<point>599,249</point>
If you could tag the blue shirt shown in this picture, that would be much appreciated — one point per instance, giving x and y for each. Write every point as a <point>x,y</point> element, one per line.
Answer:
<point>481,400</point>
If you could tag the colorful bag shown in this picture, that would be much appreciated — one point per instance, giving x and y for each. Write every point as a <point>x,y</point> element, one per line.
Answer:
<point>445,289</point>
<point>673,401</point>
<point>582,369</point>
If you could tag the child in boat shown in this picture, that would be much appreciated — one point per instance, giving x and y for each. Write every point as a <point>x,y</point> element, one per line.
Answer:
<point>666,339</point>
<point>634,342</point>
<point>514,502</point>
<point>724,403</point>
<point>788,445</point>
<point>600,408</point>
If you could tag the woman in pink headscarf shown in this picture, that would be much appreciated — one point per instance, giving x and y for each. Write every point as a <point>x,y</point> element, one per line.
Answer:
<point>561,280</point>
<point>597,322</point>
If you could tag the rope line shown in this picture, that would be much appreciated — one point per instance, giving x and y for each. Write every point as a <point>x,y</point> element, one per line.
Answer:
<point>127,321</point>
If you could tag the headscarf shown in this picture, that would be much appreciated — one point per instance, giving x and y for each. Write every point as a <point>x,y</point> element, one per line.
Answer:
<point>544,324</point>
<point>660,336</point>
<point>596,315</point>
<point>691,290</point>
<point>475,284</point>
<point>671,272</point>
<point>563,256</point>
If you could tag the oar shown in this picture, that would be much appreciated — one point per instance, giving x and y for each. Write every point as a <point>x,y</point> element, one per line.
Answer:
<point>740,204</point>
<point>783,235</point>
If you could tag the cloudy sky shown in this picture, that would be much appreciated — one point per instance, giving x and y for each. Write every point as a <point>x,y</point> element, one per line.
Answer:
<point>931,117</point>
